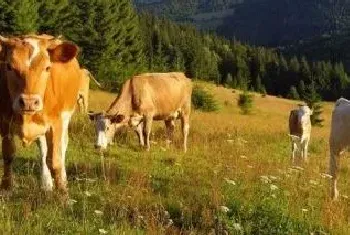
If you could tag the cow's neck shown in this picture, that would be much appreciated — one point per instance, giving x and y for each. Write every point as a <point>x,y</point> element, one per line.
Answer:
<point>123,104</point>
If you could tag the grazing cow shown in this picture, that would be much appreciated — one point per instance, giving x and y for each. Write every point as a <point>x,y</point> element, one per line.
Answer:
<point>300,130</point>
<point>339,139</point>
<point>83,97</point>
<point>144,98</point>
<point>39,84</point>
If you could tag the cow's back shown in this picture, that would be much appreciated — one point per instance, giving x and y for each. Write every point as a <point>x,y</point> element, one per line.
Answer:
<point>294,124</point>
<point>340,124</point>
<point>162,92</point>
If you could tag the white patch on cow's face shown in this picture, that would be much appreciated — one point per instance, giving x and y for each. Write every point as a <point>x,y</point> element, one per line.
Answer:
<point>105,131</point>
<point>304,114</point>
<point>27,72</point>
<point>36,49</point>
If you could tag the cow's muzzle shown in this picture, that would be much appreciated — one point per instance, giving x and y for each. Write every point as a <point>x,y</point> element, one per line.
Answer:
<point>28,104</point>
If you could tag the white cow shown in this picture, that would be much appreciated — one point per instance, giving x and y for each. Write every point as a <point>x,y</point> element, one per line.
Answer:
<point>339,139</point>
<point>300,131</point>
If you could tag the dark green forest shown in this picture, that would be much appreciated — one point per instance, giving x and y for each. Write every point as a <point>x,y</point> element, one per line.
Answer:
<point>116,42</point>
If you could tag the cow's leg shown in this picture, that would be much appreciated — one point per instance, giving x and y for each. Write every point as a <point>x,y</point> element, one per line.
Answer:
<point>57,146</point>
<point>185,123</point>
<point>333,169</point>
<point>305,150</point>
<point>139,131</point>
<point>170,127</point>
<point>46,179</point>
<point>147,130</point>
<point>86,103</point>
<point>294,148</point>
<point>8,151</point>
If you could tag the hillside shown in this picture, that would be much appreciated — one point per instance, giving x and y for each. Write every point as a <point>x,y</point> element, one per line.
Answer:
<point>236,177</point>
<point>262,22</point>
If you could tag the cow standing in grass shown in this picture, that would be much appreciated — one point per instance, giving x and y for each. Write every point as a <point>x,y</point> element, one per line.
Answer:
<point>83,96</point>
<point>144,98</point>
<point>339,139</point>
<point>300,131</point>
<point>39,84</point>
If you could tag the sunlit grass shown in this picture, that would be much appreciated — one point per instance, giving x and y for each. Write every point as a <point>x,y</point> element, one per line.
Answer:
<point>235,178</point>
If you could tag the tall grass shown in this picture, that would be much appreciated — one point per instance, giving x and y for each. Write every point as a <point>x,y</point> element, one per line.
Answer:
<point>235,179</point>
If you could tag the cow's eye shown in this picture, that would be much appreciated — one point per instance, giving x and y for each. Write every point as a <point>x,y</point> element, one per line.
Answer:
<point>48,68</point>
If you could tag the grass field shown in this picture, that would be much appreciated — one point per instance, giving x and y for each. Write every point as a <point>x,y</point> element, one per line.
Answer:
<point>235,179</point>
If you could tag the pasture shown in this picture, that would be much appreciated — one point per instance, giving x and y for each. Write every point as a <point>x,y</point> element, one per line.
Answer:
<point>236,178</point>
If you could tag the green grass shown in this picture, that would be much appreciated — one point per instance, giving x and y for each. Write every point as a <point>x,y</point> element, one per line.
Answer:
<point>235,162</point>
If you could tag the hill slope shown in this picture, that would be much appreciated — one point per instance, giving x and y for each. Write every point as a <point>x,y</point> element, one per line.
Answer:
<point>267,22</point>
<point>235,176</point>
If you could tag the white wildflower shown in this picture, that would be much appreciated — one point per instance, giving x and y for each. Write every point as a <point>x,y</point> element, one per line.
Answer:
<point>265,179</point>
<point>102,231</point>
<point>87,193</point>
<point>232,182</point>
<point>273,177</point>
<point>72,202</point>
<point>304,210</point>
<point>237,226</point>
<point>273,196</point>
<point>298,168</point>
<point>98,212</point>
<point>313,182</point>
<point>224,209</point>
<point>273,187</point>
<point>324,175</point>
<point>243,156</point>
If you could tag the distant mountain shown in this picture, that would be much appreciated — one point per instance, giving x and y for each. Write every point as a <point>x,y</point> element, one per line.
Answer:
<point>262,22</point>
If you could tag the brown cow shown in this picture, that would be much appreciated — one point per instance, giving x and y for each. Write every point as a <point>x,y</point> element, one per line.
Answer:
<point>300,130</point>
<point>144,98</point>
<point>39,84</point>
<point>83,97</point>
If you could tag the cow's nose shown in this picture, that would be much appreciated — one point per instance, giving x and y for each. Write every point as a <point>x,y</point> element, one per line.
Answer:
<point>29,103</point>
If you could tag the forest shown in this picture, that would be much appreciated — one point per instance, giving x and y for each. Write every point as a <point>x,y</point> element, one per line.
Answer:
<point>117,42</point>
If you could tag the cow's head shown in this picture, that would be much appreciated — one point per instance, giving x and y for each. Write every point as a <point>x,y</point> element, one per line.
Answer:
<point>304,114</point>
<point>106,126</point>
<point>27,63</point>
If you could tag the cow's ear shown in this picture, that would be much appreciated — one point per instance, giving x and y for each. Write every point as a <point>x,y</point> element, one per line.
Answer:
<point>117,119</point>
<point>63,52</point>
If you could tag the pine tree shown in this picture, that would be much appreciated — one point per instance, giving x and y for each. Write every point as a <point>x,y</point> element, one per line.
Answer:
<point>313,100</point>
<point>108,33</point>
<point>55,16</point>
<point>22,16</point>
<point>245,102</point>
<point>293,93</point>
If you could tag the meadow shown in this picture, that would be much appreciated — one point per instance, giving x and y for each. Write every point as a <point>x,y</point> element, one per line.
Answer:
<point>236,178</point>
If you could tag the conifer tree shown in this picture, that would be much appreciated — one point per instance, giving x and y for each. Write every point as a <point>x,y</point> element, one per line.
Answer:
<point>22,16</point>
<point>56,16</point>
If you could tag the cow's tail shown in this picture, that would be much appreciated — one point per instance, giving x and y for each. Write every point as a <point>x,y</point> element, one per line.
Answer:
<point>93,78</point>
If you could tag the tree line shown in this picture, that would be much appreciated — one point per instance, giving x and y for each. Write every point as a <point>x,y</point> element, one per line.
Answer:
<point>117,42</point>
